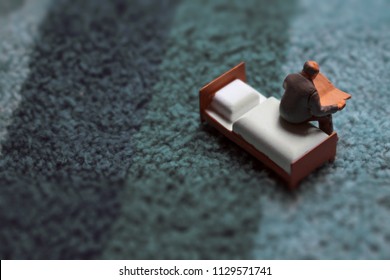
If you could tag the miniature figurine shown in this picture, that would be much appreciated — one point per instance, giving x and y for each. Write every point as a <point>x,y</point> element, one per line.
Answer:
<point>252,121</point>
<point>301,101</point>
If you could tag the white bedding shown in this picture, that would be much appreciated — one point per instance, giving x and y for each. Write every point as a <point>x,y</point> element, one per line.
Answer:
<point>282,142</point>
<point>240,108</point>
<point>234,100</point>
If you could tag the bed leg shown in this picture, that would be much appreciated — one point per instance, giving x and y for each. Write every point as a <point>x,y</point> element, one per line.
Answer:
<point>202,120</point>
<point>332,159</point>
<point>292,184</point>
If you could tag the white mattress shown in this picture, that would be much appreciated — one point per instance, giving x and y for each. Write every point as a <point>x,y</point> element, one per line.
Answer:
<point>282,142</point>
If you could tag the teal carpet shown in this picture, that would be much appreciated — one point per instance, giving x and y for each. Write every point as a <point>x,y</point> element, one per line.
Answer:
<point>103,156</point>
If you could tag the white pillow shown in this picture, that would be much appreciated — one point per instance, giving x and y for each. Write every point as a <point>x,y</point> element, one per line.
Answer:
<point>281,141</point>
<point>235,99</point>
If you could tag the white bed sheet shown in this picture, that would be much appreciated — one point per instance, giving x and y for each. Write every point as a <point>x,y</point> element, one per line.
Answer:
<point>282,142</point>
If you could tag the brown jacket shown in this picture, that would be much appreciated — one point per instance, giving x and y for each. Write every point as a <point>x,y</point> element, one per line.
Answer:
<point>301,101</point>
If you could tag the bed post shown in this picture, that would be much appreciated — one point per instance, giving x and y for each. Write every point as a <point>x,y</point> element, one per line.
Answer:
<point>324,152</point>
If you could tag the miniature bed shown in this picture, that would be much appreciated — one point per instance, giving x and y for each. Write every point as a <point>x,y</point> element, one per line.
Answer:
<point>252,121</point>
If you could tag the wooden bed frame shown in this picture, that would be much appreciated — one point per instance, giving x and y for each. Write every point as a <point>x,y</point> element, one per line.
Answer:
<point>302,167</point>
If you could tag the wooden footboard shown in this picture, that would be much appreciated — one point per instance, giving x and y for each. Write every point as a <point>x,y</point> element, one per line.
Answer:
<point>325,151</point>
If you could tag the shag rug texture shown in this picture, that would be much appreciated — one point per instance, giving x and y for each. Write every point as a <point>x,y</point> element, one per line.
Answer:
<point>103,156</point>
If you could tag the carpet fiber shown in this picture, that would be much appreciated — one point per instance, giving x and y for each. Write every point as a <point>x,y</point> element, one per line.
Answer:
<point>103,155</point>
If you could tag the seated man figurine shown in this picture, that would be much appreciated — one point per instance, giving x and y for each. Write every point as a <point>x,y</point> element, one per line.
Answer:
<point>301,101</point>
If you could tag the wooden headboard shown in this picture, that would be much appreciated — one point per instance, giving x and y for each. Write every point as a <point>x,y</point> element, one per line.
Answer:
<point>207,92</point>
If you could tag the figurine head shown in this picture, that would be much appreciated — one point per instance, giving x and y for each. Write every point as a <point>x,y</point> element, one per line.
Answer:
<point>311,69</point>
